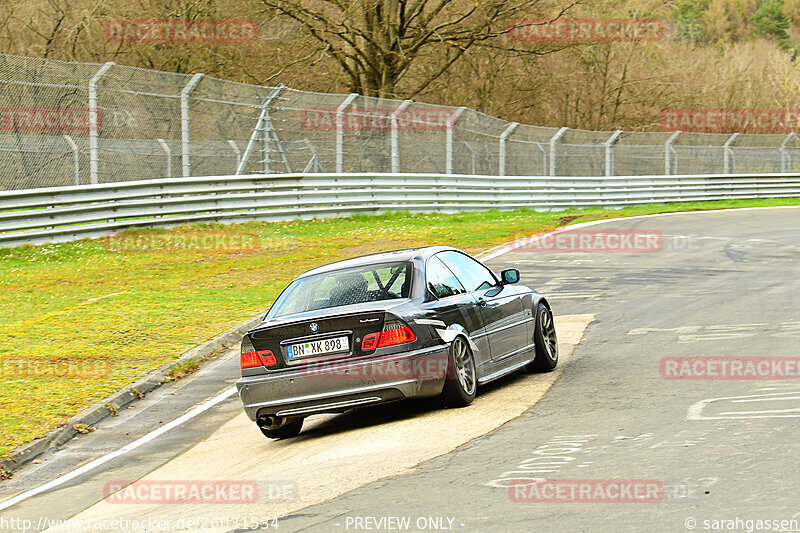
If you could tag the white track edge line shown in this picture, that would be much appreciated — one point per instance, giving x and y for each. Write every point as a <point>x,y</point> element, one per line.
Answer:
<point>5,504</point>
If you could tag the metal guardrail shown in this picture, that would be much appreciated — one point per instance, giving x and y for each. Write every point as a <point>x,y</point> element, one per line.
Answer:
<point>56,214</point>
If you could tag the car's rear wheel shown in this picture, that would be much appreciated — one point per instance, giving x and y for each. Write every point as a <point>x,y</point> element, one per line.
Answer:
<point>461,383</point>
<point>286,431</point>
<point>544,336</point>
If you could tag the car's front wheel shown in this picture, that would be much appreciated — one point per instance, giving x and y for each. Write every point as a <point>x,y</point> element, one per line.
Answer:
<point>544,336</point>
<point>461,383</point>
<point>286,431</point>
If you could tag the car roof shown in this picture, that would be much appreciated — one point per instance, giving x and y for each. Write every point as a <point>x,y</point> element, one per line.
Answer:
<point>399,256</point>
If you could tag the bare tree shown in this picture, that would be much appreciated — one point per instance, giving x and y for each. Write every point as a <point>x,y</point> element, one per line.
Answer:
<point>377,42</point>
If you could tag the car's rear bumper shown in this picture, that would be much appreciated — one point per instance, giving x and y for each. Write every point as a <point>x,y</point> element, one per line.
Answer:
<point>340,385</point>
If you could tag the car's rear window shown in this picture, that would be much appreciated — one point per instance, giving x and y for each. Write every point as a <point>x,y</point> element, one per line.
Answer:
<point>367,283</point>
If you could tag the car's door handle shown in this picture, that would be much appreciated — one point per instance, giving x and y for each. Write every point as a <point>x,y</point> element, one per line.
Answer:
<point>481,302</point>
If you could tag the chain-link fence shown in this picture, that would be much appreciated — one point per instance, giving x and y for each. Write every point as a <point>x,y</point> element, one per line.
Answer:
<point>67,123</point>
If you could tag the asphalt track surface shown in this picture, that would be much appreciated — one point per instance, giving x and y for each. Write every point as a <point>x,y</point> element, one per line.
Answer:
<point>613,423</point>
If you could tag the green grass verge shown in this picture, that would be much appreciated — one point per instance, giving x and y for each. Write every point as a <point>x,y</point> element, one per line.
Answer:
<point>80,320</point>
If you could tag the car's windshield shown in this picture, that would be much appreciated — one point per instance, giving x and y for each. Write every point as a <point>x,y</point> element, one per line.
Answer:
<point>366,283</point>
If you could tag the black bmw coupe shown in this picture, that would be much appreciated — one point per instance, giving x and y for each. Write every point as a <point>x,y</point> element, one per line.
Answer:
<point>379,328</point>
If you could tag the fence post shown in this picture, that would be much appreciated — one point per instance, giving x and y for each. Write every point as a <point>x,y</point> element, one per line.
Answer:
<point>185,122</point>
<point>168,152</point>
<point>75,161</point>
<point>451,125</point>
<point>553,140</point>
<point>784,166</point>
<point>609,146</point>
<point>93,123</point>
<point>727,153</point>
<point>471,154</point>
<point>503,136</point>
<point>238,152</point>
<point>395,142</point>
<point>340,130</point>
<point>263,117</point>
<point>544,158</point>
<point>667,150</point>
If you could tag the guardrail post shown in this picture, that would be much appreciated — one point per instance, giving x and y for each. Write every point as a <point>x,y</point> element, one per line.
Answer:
<point>667,150</point>
<point>785,165</point>
<point>75,161</point>
<point>93,122</point>
<point>263,117</point>
<point>727,153</point>
<point>168,152</point>
<point>395,141</point>
<point>451,125</point>
<point>185,122</point>
<point>553,141</point>
<point>609,146</point>
<point>340,130</point>
<point>503,136</point>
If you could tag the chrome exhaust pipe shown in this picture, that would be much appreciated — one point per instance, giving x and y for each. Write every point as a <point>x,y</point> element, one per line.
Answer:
<point>270,422</point>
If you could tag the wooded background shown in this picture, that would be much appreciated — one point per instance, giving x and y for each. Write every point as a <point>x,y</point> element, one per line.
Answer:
<point>714,53</point>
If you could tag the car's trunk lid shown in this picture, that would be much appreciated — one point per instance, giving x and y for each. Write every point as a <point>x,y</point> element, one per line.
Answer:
<point>315,337</point>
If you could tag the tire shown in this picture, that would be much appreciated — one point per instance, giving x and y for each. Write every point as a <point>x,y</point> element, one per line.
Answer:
<point>461,383</point>
<point>544,337</point>
<point>286,431</point>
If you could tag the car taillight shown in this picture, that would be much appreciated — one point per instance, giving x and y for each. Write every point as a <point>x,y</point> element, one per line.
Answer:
<point>259,358</point>
<point>267,357</point>
<point>396,332</point>
<point>370,341</point>
<point>251,358</point>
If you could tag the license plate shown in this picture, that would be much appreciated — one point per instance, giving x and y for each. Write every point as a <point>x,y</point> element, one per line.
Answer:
<point>324,347</point>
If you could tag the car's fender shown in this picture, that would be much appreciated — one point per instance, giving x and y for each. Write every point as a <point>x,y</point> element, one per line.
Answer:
<point>452,331</point>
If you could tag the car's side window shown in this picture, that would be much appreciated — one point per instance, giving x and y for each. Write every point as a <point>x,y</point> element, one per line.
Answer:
<point>441,281</point>
<point>473,275</point>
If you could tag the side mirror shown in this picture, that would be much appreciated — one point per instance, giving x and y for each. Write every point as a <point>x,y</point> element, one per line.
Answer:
<point>509,276</point>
